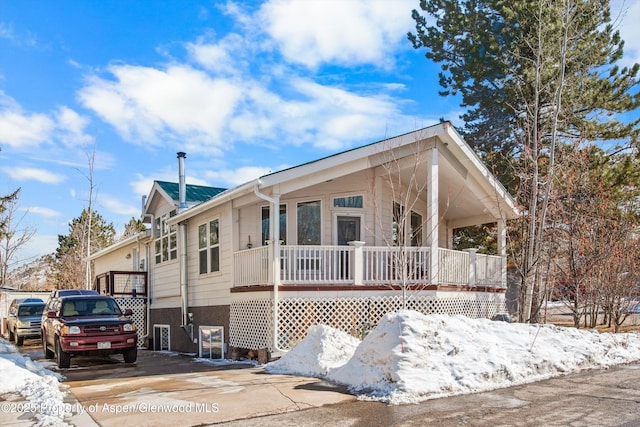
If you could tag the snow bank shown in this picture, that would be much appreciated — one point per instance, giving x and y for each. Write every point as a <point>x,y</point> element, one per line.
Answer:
<point>41,387</point>
<point>323,349</point>
<point>411,357</point>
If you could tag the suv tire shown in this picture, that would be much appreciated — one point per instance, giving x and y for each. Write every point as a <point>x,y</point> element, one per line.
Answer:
<point>12,336</point>
<point>48,354</point>
<point>19,340</point>
<point>130,355</point>
<point>63,358</point>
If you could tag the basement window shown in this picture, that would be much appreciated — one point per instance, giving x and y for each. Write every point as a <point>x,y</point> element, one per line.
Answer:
<point>211,342</point>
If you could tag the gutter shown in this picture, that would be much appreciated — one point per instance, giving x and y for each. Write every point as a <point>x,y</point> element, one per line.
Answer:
<point>274,235</point>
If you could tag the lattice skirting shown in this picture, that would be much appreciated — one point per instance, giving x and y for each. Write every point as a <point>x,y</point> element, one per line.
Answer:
<point>251,322</point>
<point>139,308</point>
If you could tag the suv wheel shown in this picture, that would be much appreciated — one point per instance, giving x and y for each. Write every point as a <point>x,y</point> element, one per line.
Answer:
<point>130,355</point>
<point>12,336</point>
<point>48,354</point>
<point>19,340</point>
<point>63,358</point>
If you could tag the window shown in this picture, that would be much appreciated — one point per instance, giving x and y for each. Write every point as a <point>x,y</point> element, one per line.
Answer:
<point>348,202</point>
<point>401,223</point>
<point>211,342</point>
<point>209,247</point>
<point>166,243</point>
<point>265,212</point>
<point>416,229</point>
<point>309,226</point>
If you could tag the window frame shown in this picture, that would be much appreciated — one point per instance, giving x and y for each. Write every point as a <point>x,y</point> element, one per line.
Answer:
<point>283,230</point>
<point>165,238</point>
<point>206,250</point>
<point>320,219</point>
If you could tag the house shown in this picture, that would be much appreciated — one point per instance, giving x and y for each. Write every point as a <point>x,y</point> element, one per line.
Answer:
<point>359,233</point>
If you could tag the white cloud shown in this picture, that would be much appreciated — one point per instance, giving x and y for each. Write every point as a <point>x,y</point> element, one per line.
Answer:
<point>25,174</point>
<point>118,206</point>
<point>19,129</point>
<point>347,32</point>
<point>24,130</point>
<point>219,57</point>
<point>71,127</point>
<point>148,105</point>
<point>629,12</point>
<point>42,211</point>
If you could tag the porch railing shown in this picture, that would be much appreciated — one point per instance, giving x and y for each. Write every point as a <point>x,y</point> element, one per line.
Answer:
<point>366,265</point>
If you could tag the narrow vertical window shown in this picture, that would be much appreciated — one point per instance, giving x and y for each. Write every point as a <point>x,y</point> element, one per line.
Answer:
<point>266,223</point>
<point>209,247</point>
<point>202,249</point>
<point>309,223</point>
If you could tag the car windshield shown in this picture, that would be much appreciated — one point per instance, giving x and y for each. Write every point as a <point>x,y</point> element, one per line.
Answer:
<point>30,310</point>
<point>90,307</point>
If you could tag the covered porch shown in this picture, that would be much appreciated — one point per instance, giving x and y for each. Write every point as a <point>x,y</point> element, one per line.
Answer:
<point>360,265</point>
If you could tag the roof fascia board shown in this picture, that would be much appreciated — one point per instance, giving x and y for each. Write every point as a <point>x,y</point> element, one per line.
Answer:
<point>336,162</point>
<point>221,198</point>
<point>138,237</point>
<point>482,174</point>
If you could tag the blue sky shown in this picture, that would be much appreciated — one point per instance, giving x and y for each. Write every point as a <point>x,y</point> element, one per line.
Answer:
<point>242,87</point>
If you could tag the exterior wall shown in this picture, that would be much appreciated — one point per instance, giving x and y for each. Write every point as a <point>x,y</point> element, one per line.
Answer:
<point>377,214</point>
<point>211,289</point>
<point>127,258</point>
<point>165,276</point>
<point>203,316</point>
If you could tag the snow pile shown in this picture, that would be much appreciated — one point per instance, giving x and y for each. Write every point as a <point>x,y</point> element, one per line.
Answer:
<point>323,349</point>
<point>41,387</point>
<point>411,357</point>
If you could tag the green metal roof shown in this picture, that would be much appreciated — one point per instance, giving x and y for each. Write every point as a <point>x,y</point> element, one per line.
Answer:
<point>195,193</point>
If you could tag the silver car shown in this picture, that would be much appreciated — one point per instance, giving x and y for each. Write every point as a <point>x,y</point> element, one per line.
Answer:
<point>24,319</point>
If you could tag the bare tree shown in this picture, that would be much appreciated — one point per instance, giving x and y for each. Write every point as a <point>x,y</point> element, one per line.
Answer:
<point>13,238</point>
<point>401,217</point>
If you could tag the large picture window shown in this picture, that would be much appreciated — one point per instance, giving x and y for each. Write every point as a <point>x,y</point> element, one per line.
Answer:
<point>209,247</point>
<point>266,223</point>
<point>309,223</point>
<point>166,242</point>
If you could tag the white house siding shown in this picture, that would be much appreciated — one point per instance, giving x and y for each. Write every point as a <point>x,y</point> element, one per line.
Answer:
<point>117,260</point>
<point>211,289</point>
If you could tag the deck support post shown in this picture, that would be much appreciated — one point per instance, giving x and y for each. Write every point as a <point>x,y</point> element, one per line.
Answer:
<point>433,215</point>
<point>358,262</point>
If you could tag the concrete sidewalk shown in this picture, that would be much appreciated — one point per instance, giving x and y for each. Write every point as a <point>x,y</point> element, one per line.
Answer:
<point>190,399</point>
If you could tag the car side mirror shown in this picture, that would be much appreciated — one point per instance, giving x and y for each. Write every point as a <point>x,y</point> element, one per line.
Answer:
<point>128,312</point>
<point>51,314</point>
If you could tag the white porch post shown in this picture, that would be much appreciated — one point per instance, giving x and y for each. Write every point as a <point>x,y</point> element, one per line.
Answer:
<point>502,249</point>
<point>432,214</point>
<point>473,267</point>
<point>274,215</point>
<point>358,264</point>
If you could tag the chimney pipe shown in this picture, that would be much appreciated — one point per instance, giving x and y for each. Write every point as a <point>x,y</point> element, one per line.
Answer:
<point>182,185</point>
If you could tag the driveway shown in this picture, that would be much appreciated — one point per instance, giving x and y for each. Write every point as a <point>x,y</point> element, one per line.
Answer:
<point>166,389</point>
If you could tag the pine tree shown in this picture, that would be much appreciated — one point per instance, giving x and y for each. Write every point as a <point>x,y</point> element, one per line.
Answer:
<point>532,74</point>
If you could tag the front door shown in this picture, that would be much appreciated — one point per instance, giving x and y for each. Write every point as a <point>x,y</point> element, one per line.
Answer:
<point>348,229</point>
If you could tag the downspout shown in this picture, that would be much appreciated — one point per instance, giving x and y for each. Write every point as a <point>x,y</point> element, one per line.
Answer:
<point>274,235</point>
<point>187,318</point>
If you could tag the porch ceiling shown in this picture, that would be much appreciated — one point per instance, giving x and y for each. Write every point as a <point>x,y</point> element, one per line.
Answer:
<point>462,200</point>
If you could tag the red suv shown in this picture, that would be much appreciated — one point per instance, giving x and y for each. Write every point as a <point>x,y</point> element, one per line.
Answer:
<point>84,322</point>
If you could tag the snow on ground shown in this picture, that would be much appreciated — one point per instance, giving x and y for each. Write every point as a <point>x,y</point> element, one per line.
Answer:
<point>39,386</point>
<point>411,357</point>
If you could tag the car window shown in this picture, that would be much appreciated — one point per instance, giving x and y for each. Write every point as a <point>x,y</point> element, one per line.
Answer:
<point>30,310</point>
<point>90,307</point>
